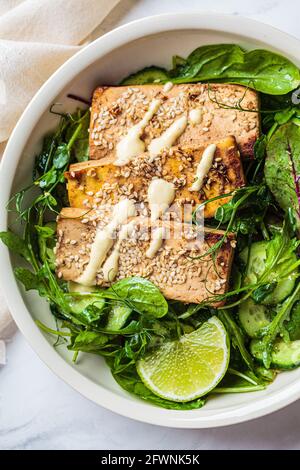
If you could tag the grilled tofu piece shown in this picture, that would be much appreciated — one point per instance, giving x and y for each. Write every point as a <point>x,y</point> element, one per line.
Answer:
<point>97,182</point>
<point>116,109</point>
<point>173,268</point>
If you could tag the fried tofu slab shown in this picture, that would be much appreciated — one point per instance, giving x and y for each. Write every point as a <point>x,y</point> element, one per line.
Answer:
<point>175,269</point>
<point>94,183</point>
<point>222,110</point>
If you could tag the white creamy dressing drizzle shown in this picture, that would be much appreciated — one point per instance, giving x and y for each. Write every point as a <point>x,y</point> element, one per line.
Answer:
<point>195,116</point>
<point>161,194</point>
<point>131,145</point>
<point>111,265</point>
<point>168,87</point>
<point>156,242</point>
<point>203,167</point>
<point>104,241</point>
<point>168,137</point>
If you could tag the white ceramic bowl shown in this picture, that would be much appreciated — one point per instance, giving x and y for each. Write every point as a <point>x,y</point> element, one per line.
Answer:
<point>144,42</point>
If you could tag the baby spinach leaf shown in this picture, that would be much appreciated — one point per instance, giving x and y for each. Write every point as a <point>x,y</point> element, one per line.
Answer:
<point>260,69</point>
<point>177,61</point>
<point>140,295</point>
<point>131,382</point>
<point>282,168</point>
<point>209,61</point>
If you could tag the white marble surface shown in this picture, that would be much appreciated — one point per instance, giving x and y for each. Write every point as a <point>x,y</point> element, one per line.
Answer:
<point>38,411</point>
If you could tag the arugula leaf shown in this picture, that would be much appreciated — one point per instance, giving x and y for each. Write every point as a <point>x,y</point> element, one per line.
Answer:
<point>45,231</point>
<point>42,159</point>
<point>80,148</point>
<point>59,150</point>
<point>270,332</point>
<point>239,382</point>
<point>16,244</point>
<point>293,324</point>
<point>48,179</point>
<point>260,147</point>
<point>140,295</point>
<point>259,294</point>
<point>31,281</point>
<point>237,337</point>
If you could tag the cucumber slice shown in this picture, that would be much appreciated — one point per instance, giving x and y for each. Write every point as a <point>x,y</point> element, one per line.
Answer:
<point>117,317</point>
<point>253,317</point>
<point>147,75</point>
<point>256,261</point>
<point>78,304</point>
<point>256,267</point>
<point>284,355</point>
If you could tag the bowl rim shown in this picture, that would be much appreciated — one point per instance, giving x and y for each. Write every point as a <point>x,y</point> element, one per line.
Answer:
<point>137,29</point>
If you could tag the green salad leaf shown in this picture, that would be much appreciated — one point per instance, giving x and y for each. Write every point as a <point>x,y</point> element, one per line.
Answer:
<point>292,325</point>
<point>131,318</point>
<point>237,337</point>
<point>15,243</point>
<point>89,341</point>
<point>263,70</point>
<point>131,382</point>
<point>271,331</point>
<point>31,281</point>
<point>282,168</point>
<point>140,295</point>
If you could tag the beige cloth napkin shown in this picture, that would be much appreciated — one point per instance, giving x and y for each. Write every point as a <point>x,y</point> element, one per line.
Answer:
<point>36,37</point>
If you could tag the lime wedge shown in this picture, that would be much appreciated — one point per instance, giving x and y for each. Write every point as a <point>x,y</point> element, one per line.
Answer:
<point>190,367</point>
